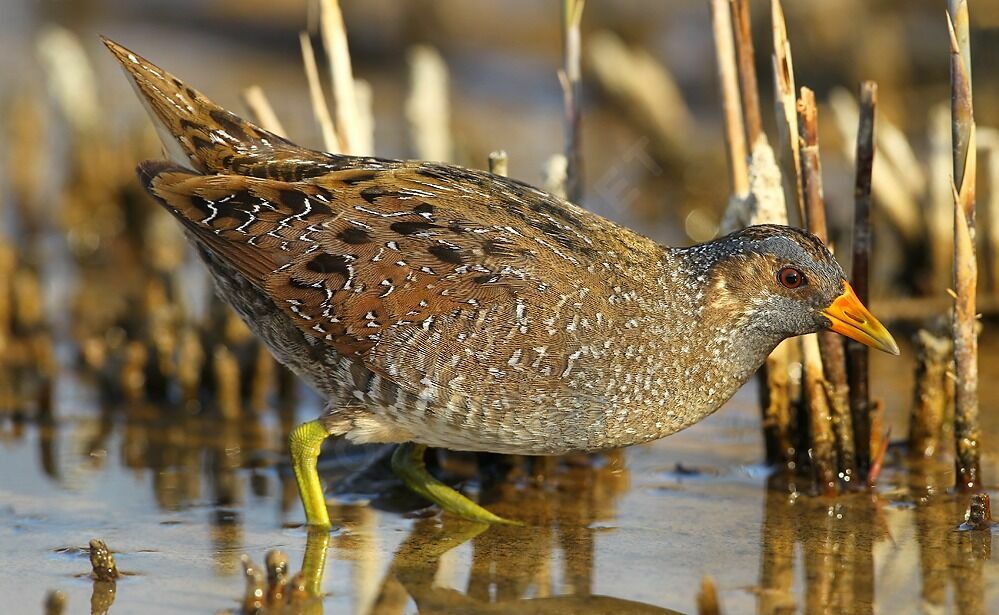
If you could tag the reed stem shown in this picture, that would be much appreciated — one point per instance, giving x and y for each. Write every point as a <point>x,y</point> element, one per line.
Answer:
<point>858,354</point>
<point>966,431</point>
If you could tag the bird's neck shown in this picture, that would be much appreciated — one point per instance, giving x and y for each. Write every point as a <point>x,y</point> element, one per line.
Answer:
<point>716,348</point>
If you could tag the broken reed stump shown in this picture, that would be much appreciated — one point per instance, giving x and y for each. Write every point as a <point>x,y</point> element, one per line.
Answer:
<point>498,162</point>
<point>967,454</point>
<point>102,561</point>
<point>55,603</point>
<point>707,598</point>
<point>256,586</point>
<point>858,354</point>
<point>934,355</point>
<point>277,576</point>
<point>828,371</point>
<point>979,515</point>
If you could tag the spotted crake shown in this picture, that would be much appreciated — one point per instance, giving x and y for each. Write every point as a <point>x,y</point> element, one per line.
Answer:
<point>449,307</point>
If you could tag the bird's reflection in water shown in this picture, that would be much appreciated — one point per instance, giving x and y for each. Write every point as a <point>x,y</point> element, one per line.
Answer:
<point>511,567</point>
<point>508,574</point>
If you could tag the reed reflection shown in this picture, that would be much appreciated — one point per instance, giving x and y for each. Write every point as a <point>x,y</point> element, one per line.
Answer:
<point>842,557</point>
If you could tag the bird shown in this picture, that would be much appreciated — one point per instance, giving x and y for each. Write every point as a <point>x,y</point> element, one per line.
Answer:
<point>433,305</point>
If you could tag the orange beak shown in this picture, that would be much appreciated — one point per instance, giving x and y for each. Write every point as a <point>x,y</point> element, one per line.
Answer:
<point>849,317</point>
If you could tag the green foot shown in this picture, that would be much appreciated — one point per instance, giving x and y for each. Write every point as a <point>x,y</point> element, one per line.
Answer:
<point>407,462</point>
<point>305,441</point>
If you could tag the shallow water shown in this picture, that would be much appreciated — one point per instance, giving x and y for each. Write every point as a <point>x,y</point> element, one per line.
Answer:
<point>179,499</point>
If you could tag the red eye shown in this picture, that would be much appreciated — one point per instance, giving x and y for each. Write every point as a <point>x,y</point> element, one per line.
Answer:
<point>789,277</point>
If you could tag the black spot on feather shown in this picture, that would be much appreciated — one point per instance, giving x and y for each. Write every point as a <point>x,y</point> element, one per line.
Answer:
<point>354,235</point>
<point>358,177</point>
<point>371,193</point>
<point>201,204</point>
<point>412,227</point>
<point>295,200</point>
<point>328,263</point>
<point>446,254</point>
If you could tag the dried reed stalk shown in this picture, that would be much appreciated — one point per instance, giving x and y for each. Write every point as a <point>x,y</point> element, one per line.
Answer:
<point>830,365</point>
<point>899,173</point>
<point>965,267</point>
<point>645,92</point>
<point>261,110</point>
<point>570,77</point>
<point>427,106</point>
<point>365,117</point>
<point>320,110</point>
<point>342,77</point>
<point>764,203</point>
<point>775,402</point>
<point>70,78</point>
<point>227,385</point>
<point>940,200</point>
<point>556,175</point>
<point>735,133</point>
<point>747,71</point>
<point>786,108</point>
<point>859,383</point>
<point>823,441</point>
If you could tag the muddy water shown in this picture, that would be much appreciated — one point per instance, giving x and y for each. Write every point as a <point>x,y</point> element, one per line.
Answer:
<point>180,498</point>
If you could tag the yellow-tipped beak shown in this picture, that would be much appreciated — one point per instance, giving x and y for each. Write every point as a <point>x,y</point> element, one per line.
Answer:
<point>849,317</point>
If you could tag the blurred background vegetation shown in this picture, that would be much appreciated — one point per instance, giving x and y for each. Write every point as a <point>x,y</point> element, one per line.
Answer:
<point>665,178</point>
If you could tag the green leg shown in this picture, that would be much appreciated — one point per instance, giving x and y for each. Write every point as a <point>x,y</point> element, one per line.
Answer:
<point>407,462</point>
<point>305,441</point>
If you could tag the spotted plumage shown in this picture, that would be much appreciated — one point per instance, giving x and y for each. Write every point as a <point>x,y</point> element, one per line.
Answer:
<point>452,307</point>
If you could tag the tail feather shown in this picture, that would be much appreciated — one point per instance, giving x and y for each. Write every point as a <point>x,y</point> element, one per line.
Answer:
<point>200,135</point>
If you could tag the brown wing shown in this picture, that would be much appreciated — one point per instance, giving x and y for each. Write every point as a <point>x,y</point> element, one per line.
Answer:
<point>401,268</point>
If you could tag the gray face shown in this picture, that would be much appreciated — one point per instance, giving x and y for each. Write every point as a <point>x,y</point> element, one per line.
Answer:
<point>772,279</point>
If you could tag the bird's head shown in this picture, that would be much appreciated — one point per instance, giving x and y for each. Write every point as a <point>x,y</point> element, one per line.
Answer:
<point>781,282</point>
